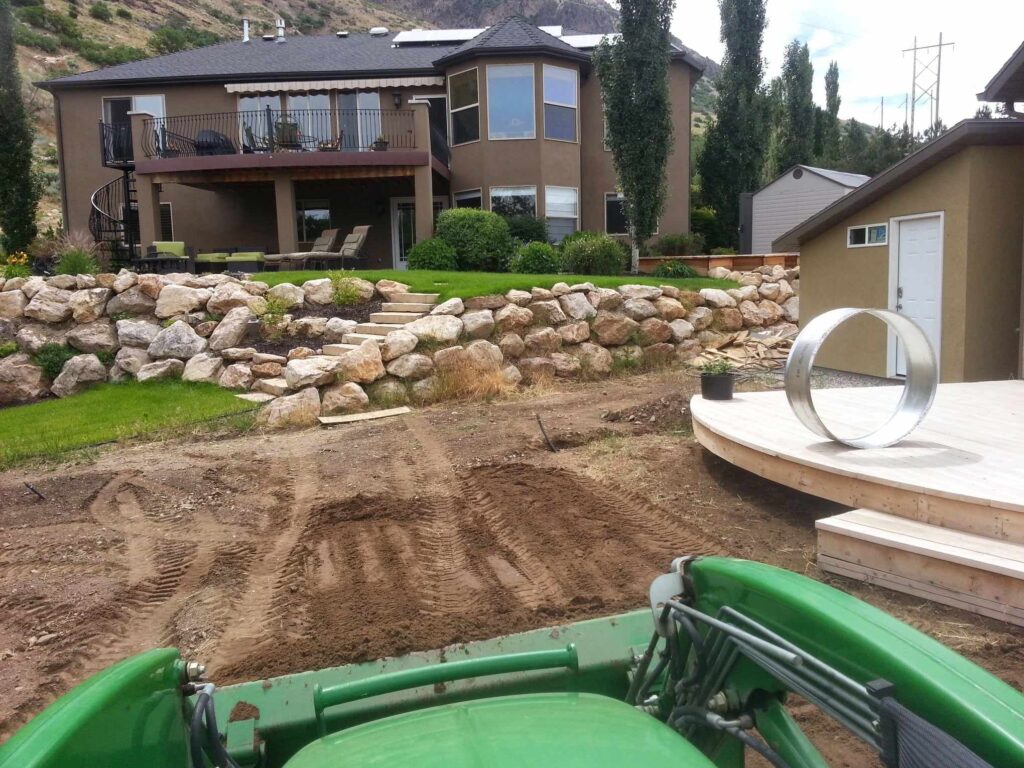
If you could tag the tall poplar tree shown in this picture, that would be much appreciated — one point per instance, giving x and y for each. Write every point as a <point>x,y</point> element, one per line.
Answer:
<point>831,136</point>
<point>633,72</point>
<point>796,144</point>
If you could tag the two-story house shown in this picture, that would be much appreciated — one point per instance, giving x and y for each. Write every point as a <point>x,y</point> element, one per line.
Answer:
<point>262,143</point>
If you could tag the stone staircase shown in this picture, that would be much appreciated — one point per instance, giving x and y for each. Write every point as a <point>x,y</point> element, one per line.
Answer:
<point>402,309</point>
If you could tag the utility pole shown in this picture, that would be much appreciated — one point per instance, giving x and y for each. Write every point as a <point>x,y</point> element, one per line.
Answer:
<point>927,77</point>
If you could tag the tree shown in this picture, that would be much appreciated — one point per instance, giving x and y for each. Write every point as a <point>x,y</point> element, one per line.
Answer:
<point>775,117</point>
<point>734,153</point>
<point>984,112</point>
<point>19,190</point>
<point>830,149</point>
<point>854,148</point>
<point>633,73</point>
<point>796,144</point>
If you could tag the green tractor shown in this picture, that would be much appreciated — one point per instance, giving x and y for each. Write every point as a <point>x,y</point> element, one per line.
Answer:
<point>700,679</point>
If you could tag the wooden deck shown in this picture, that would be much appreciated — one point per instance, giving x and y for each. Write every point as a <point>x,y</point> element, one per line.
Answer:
<point>941,514</point>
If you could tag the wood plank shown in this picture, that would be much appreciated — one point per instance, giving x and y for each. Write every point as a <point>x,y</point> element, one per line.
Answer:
<point>369,415</point>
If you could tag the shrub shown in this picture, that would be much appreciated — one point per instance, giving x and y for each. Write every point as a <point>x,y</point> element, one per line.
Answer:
<point>272,317</point>
<point>716,367</point>
<point>51,358</point>
<point>7,349</point>
<point>582,234</point>
<point>527,229</point>
<point>76,261</point>
<point>596,255</point>
<point>674,269</point>
<point>704,221</point>
<point>724,251</point>
<point>16,265</point>
<point>345,291</point>
<point>536,259</point>
<point>123,13</point>
<point>432,254</point>
<point>180,36</point>
<point>480,239</point>
<point>680,245</point>
<point>101,11</point>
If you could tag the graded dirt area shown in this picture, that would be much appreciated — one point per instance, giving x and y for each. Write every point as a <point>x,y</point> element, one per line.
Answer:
<point>273,553</point>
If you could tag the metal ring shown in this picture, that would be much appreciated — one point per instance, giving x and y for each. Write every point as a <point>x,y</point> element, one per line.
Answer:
<point>918,389</point>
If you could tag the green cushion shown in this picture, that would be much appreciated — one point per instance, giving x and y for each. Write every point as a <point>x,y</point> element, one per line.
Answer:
<point>172,247</point>
<point>246,256</point>
<point>204,258</point>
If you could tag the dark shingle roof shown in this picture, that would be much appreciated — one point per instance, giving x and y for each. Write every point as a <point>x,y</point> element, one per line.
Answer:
<point>326,56</point>
<point>513,35</point>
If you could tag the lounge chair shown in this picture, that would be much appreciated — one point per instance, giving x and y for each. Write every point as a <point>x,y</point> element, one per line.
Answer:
<point>326,243</point>
<point>352,248</point>
<point>211,261</point>
<point>166,256</point>
<point>245,260</point>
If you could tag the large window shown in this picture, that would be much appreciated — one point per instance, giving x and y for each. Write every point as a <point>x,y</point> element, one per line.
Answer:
<point>514,201</point>
<point>464,101</point>
<point>312,218</point>
<point>311,112</point>
<point>559,103</point>
<point>510,104</point>
<point>471,198</point>
<point>615,214</point>
<point>561,205</point>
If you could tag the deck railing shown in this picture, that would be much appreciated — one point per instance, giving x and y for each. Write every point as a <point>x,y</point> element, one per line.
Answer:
<point>116,145</point>
<point>274,130</point>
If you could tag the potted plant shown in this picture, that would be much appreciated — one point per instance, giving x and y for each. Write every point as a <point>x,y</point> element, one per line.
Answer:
<point>716,380</point>
<point>380,144</point>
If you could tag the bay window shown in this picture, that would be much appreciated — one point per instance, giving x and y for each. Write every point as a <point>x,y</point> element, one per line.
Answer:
<point>464,106</point>
<point>560,103</point>
<point>561,206</point>
<point>510,102</point>
<point>514,201</point>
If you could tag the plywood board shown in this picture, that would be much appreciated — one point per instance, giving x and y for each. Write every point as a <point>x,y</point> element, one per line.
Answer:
<point>369,415</point>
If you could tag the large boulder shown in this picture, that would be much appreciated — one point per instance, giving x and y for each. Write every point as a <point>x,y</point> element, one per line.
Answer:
<point>131,359</point>
<point>700,318</point>
<point>594,360</point>
<point>605,298</point>
<point>511,317</point>
<point>716,297</point>
<point>338,399</point>
<point>669,309</point>
<point>180,300</point>
<point>136,333</point>
<point>33,285</point>
<point>362,365</point>
<point>50,305</point>
<point>479,323</point>
<point>228,296</point>
<point>389,288</point>
<point>32,338</point>
<point>769,291</point>
<point>388,392</point>
<point>413,366</point>
<point>612,329</point>
<point>131,301</point>
<point>542,341</point>
<point>681,330</point>
<point>576,306</point>
<point>536,369</point>
<point>751,314</point>
<point>687,350</point>
<point>151,285</point>
<point>267,370</point>
<point>791,309</point>
<point>203,367</point>
<point>453,306</point>
<point>547,312</point>
<point>236,376</point>
<point>744,293</point>
<point>575,332</point>
<point>566,366</point>
<point>491,301</point>
<point>520,298</point>
<point>483,356</point>
<point>311,371</point>
<point>97,336</point>
<point>87,305</point>
<point>541,294</point>
<point>77,374</point>
<point>771,312</point>
<point>627,356</point>
<point>445,329</point>
<point>512,345</point>
<point>398,343</point>
<point>750,278</point>
<point>337,328</point>
<point>21,380</point>
<point>640,291</point>
<point>232,329</point>
<point>287,294</point>
<point>727,320</point>
<point>319,291</point>
<point>785,292</point>
<point>299,410</point>
<point>719,273</point>
<point>657,355</point>
<point>124,280</point>
<point>178,340</point>
<point>8,329</point>
<point>12,304</point>
<point>171,368</point>
<point>653,330</point>
<point>639,309</point>
<point>64,282</point>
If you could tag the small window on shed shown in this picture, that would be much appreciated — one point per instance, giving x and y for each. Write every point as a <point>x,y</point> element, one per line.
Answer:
<point>867,235</point>
<point>798,173</point>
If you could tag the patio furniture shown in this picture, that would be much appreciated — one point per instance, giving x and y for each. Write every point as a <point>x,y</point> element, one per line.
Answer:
<point>250,260</point>
<point>326,243</point>
<point>214,261</point>
<point>352,248</point>
<point>252,144</point>
<point>166,256</point>
<point>287,135</point>
<point>209,142</point>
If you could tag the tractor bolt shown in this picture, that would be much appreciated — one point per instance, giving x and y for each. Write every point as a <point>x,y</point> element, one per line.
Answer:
<point>195,671</point>
<point>718,703</point>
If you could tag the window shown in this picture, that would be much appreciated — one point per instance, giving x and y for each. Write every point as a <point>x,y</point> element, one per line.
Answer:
<point>359,119</point>
<point>559,103</point>
<point>867,235</point>
<point>312,113</point>
<point>313,217</point>
<point>166,222</point>
<point>471,198</point>
<point>615,214</point>
<point>514,201</point>
<point>510,104</point>
<point>562,209</point>
<point>464,101</point>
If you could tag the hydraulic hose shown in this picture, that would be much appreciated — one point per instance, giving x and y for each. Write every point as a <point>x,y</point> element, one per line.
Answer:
<point>211,744</point>
<point>641,670</point>
<point>195,731</point>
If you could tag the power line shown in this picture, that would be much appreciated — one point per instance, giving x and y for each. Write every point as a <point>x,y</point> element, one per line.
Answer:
<point>927,77</point>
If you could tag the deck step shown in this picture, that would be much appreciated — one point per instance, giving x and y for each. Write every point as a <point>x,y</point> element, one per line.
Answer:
<point>339,349</point>
<point>407,306</point>
<point>395,317</point>
<point>355,339</point>
<point>415,298</point>
<point>965,570</point>
<point>377,329</point>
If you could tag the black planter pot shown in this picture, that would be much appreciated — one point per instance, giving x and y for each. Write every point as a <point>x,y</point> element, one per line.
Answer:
<point>716,386</point>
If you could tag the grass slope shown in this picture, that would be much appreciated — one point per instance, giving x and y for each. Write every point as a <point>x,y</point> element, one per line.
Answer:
<point>108,412</point>
<point>467,284</point>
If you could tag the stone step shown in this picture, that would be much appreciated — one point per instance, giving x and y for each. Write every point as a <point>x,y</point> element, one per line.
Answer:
<point>355,339</point>
<point>395,317</point>
<point>276,387</point>
<point>340,349</point>
<point>408,306</point>
<point>377,329</point>
<point>415,298</point>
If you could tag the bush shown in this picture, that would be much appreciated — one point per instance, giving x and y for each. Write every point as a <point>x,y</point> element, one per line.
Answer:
<point>595,255</point>
<point>7,349</point>
<point>76,261</point>
<point>15,265</point>
<point>582,234</point>
<point>180,36</point>
<point>680,245</point>
<point>101,11</point>
<point>527,229</point>
<point>704,221</point>
<point>123,13</point>
<point>51,358</point>
<point>674,269</point>
<point>536,259</point>
<point>724,251</point>
<point>480,239</point>
<point>432,254</point>
<point>345,291</point>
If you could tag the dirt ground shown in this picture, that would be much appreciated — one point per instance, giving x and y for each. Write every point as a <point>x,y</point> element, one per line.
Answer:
<point>268,554</point>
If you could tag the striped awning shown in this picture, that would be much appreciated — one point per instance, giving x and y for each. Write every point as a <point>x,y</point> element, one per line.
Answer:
<point>335,85</point>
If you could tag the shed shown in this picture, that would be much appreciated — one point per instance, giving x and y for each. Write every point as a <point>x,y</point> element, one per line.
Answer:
<point>938,237</point>
<point>793,197</point>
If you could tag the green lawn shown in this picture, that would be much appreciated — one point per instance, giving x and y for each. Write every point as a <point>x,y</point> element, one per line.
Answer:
<point>467,284</point>
<point>108,412</point>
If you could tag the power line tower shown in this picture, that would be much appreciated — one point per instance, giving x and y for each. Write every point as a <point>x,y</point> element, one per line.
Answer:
<point>927,78</point>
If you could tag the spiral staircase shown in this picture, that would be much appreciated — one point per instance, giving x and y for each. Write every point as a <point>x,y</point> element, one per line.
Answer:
<point>114,213</point>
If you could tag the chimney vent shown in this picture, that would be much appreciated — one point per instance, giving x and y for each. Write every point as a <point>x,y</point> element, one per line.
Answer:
<point>245,30</point>
<point>280,30</point>
<point>378,31</point>
<point>342,33</point>
<point>269,38</point>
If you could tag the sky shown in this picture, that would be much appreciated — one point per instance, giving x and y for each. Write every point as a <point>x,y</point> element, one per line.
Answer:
<point>867,37</point>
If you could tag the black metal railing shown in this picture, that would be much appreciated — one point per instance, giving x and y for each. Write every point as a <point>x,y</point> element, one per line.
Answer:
<point>274,130</point>
<point>116,145</point>
<point>114,219</point>
<point>439,146</point>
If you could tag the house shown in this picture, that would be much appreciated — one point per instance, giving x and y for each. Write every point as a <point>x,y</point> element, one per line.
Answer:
<point>790,199</point>
<point>261,144</point>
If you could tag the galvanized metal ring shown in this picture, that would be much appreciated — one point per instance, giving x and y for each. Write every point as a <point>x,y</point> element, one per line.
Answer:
<point>918,389</point>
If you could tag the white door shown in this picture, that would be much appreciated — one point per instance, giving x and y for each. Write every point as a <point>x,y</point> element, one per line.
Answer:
<point>403,227</point>
<point>919,279</point>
